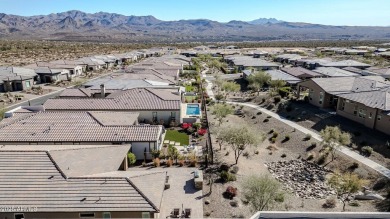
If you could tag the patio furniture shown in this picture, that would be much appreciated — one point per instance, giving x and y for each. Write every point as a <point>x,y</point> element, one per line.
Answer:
<point>177,144</point>
<point>187,213</point>
<point>166,141</point>
<point>175,213</point>
<point>172,142</point>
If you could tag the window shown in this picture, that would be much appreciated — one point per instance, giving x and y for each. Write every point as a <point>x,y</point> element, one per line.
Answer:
<point>145,214</point>
<point>379,117</point>
<point>362,113</point>
<point>321,97</point>
<point>370,115</point>
<point>342,105</point>
<point>173,116</point>
<point>106,215</point>
<point>311,94</point>
<point>355,110</point>
<point>87,215</point>
<point>152,146</point>
<point>154,116</point>
<point>19,216</point>
<point>28,84</point>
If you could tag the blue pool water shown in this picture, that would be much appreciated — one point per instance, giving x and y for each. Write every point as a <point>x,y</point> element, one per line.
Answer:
<point>193,109</point>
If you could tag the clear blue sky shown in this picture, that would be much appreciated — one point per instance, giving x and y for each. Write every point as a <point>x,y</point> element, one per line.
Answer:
<point>334,12</point>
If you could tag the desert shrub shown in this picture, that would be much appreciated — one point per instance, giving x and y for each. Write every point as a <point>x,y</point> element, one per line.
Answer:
<point>277,99</point>
<point>155,153</point>
<point>286,138</point>
<point>266,120</point>
<point>234,169</point>
<point>322,158</point>
<point>131,158</point>
<point>224,167</point>
<point>307,137</point>
<point>230,192</point>
<point>367,150</point>
<point>169,162</point>
<point>354,165</point>
<point>273,140</point>
<point>312,146</point>
<point>284,155</point>
<point>156,162</point>
<point>256,152</point>
<point>330,203</point>
<point>259,113</point>
<point>268,117</point>
<point>354,204</point>
<point>284,91</point>
<point>227,153</point>
<point>275,134</point>
<point>245,154</point>
<point>271,131</point>
<point>227,177</point>
<point>310,157</point>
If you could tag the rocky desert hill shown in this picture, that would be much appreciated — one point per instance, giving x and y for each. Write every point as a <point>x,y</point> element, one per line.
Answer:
<point>102,26</point>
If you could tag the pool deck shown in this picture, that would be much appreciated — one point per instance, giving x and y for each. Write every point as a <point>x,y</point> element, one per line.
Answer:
<point>189,118</point>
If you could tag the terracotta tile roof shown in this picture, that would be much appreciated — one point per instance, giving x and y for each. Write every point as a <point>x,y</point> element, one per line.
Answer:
<point>131,100</point>
<point>72,127</point>
<point>32,178</point>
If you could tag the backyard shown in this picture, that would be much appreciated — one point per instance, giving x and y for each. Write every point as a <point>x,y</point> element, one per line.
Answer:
<point>176,136</point>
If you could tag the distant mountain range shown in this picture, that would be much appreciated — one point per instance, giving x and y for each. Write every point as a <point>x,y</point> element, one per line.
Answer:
<point>110,27</point>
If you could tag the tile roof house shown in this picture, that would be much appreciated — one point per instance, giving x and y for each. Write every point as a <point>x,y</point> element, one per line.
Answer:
<point>16,79</point>
<point>334,72</point>
<point>301,73</point>
<point>71,128</point>
<point>243,62</point>
<point>161,106</point>
<point>347,63</point>
<point>58,181</point>
<point>364,99</point>
<point>280,75</point>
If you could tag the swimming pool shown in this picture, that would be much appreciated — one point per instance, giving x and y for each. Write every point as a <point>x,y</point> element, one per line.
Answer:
<point>193,109</point>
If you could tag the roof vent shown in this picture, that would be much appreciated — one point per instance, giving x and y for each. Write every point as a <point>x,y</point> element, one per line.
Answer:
<point>83,199</point>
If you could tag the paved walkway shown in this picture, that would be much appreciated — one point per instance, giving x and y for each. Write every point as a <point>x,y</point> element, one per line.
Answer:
<point>346,151</point>
<point>209,84</point>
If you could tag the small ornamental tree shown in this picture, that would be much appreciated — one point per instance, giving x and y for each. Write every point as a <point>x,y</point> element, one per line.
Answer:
<point>239,137</point>
<point>258,80</point>
<point>346,185</point>
<point>332,139</point>
<point>221,111</point>
<point>131,158</point>
<point>229,87</point>
<point>262,192</point>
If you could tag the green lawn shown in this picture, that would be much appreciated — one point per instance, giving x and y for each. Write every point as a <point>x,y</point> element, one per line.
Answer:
<point>177,136</point>
<point>189,88</point>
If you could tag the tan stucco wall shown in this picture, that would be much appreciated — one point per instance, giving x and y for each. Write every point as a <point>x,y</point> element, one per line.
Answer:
<point>74,215</point>
<point>315,94</point>
<point>348,112</point>
<point>383,125</point>
<point>165,115</point>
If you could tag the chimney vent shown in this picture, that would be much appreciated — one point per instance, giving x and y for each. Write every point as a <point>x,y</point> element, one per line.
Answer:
<point>102,91</point>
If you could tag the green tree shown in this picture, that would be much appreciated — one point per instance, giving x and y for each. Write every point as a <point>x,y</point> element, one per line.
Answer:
<point>332,139</point>
<point>221,110</point>
<point>229,87</point>
<point>241,136</point>
<point>258,80</point>
<point>173,153</point>
<point>131,158</point>
<point>262,192</point>
<point>346,185</point>
<point>276,84</point>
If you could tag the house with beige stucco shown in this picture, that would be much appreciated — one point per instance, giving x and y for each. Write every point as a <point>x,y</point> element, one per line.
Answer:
<point>365,99</point>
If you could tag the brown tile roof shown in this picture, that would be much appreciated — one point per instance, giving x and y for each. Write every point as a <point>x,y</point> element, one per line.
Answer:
<point>131,100</point>
<point>72,127</point>
<point>32,178</point>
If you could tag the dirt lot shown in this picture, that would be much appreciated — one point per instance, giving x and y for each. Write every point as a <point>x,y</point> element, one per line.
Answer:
<point>296,147</point>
